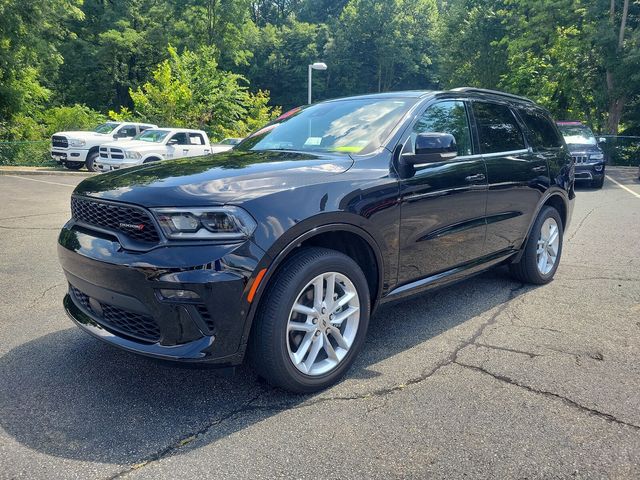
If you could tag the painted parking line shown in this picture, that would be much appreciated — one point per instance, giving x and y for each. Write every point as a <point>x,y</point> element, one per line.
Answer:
<point>635,194</point>
<point>41,181</point>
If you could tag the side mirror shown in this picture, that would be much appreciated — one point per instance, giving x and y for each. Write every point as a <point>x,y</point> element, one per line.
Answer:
<point>602,140</point>
<point>432,147</point>
<point>173,141</point>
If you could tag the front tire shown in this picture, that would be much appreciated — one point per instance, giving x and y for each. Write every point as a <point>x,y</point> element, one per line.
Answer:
<point>598,183</point>
<point>541,256</point>
<point>73,165</point>
<point>90,162</point>
<point>312,321</point>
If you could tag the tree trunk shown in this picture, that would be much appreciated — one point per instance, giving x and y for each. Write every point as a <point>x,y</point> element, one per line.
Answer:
<point>616,101</point>
<point>615,114</point>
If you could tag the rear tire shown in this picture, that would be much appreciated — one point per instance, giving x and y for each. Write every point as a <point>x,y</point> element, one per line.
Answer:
<point>309,346</point>
<point>542,252</point>
<point>90,162</point>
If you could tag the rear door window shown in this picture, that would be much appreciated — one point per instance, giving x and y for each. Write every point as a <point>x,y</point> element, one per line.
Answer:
<point>543,132</point>
<point>497,128</point>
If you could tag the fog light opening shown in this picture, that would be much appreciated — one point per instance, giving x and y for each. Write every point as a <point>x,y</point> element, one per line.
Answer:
<point>598,168</point>
<point>175,294</point>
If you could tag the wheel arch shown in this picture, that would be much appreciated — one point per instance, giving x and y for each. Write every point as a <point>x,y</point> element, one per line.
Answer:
<point>554,199</point>
<point>349,239</point>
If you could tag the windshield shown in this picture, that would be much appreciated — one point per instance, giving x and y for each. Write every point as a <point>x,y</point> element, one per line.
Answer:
<point>106,127</point>
<point>349,126</point>
<point>577,134</point>
<point>153,136</point>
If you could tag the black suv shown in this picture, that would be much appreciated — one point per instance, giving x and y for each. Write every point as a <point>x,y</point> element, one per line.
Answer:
<point>283,247</point>
<point>586,154</point>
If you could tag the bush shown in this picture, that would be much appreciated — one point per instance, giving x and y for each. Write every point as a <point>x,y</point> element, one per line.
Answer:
<point>74,117</point>
<point>31,153</point>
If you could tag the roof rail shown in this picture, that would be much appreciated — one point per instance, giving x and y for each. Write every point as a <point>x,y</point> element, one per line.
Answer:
<point>491,92</point>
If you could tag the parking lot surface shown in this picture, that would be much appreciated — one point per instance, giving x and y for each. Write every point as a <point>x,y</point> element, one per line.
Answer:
<point>485,379</point>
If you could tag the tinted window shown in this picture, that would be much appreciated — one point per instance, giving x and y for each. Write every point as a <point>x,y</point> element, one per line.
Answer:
<point>446,117</point>
<point>542,131</point>
<point>497,128</point>
<point>127,131</point>
<point>180,138</point>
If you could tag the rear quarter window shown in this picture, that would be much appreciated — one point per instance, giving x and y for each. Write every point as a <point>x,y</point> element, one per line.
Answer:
<point>541,129</point>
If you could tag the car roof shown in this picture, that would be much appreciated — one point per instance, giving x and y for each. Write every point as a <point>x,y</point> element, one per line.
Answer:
<point>466,91</point>
<point>176,130</point>
<point>399,94</point>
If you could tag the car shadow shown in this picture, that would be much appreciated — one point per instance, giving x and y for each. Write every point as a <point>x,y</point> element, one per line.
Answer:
<point>68,395</point>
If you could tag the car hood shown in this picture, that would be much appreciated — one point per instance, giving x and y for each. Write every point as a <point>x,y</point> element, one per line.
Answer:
<point>233,176</point>
<point>84,135</point>
<point>134,145</point>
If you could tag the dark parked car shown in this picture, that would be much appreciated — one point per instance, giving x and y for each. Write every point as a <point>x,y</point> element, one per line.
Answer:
<point>586,154</point>
<point>283,247</point>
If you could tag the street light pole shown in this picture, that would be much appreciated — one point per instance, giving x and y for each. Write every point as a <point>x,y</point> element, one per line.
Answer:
<point>314,66</point>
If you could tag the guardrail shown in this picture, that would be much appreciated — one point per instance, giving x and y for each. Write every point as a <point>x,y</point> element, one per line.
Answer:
<point>34,153</point>
<point>621,150</point>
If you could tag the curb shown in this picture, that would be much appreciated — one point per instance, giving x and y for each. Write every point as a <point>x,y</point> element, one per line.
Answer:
<point>43,171</point>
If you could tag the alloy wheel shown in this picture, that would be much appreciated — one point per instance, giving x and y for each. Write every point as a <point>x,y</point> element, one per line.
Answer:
<point>323,323</point>
<point>548,243</point>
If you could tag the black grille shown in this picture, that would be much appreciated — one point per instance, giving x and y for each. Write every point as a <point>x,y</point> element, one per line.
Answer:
<point>142,327</point>
<point>579,158</point>
<point>58,141</point>
<point>132,221</point>
<point>204,313</point>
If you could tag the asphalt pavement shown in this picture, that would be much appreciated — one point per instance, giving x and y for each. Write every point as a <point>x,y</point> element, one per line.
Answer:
<point>485,379</point>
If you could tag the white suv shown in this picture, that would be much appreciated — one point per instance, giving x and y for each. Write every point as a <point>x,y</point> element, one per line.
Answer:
<point>153,145</point>
<point>78,148</point>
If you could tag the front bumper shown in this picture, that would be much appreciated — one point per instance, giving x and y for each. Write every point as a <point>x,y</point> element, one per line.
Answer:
<point>62,155</point>
<point>589,172</point>
<point>114,295</point>
<point>105,165</point>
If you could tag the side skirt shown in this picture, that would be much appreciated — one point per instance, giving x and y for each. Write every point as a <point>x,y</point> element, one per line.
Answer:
<point>448,277</point>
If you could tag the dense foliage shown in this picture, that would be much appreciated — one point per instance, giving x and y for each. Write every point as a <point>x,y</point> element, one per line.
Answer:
<point>229,65</point>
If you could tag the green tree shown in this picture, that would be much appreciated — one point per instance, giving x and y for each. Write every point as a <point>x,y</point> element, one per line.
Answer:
<point>470,48</point>
<point>30,33</point>
<point>189,90</point>
<point>280,58</point>
<point>380,46</point>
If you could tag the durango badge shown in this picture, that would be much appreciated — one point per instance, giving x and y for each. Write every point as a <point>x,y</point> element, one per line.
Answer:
<point>132,226</point>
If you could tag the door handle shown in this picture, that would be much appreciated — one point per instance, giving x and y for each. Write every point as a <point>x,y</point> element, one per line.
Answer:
<point>478,177</point>
<point>539,169</point>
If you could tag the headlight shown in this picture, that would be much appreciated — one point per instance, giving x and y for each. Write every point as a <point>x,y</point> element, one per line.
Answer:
<point>76,142</point>
<point>135,155</point>
<point>215,223</point>
<point>596,156</point>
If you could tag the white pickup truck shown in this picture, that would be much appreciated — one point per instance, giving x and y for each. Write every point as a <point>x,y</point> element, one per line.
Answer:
<point>153,145</point>
<point>78,148</point>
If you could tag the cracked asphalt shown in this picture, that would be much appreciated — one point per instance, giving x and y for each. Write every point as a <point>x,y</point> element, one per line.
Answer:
<point>485,379</point>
